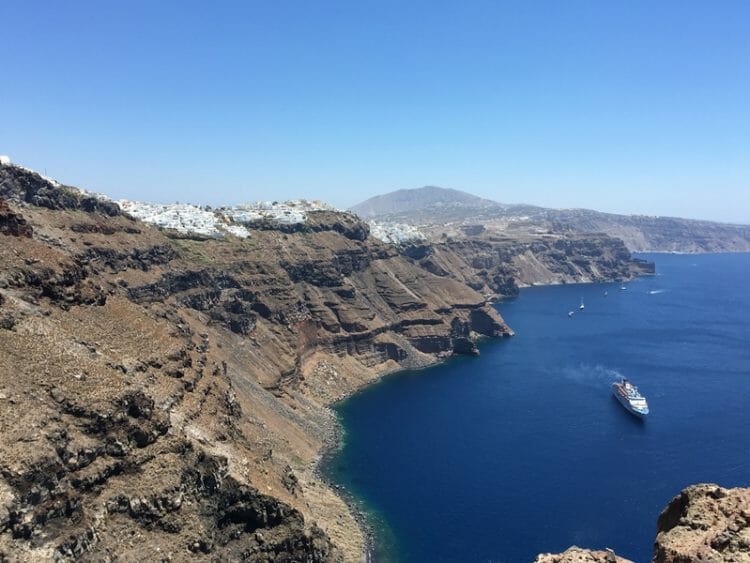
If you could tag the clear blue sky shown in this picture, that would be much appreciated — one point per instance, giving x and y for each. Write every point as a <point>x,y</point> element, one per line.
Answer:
<point>626,106</point>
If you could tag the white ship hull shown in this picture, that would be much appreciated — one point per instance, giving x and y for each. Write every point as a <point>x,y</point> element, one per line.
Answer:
<point>634,405</point>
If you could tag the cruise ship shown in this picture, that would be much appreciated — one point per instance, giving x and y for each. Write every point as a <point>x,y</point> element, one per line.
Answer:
<point>630,398</point>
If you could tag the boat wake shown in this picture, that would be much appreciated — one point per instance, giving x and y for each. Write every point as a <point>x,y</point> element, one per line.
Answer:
<point>592,375</point>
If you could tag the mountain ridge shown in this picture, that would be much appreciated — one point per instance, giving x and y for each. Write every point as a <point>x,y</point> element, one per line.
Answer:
<point>406,199</point>
<point>641,233</point>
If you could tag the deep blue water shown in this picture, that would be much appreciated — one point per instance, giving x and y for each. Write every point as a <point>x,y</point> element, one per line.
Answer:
<point>524,450</point>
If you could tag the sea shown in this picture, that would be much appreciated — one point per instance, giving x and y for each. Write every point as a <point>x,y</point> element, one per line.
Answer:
<point>524,449</point>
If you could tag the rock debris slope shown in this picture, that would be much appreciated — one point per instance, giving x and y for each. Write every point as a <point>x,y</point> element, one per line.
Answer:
<point>163,394</point>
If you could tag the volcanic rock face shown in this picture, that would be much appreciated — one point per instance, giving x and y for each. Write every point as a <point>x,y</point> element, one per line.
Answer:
<point>705,523</point>
<point>499,265</point>
<point>20,185</point>
<point>165,397</point>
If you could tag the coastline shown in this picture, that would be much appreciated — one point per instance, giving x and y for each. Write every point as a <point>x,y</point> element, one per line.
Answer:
<point>335,432</point>
<point>288,353</point>
<point>334,442</point>
<point>370,457</point>
<point>277,381</point>
<point>364,525</point>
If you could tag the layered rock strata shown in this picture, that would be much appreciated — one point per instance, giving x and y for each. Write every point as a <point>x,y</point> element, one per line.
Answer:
<point>164,397</point>
<point>501,265</point>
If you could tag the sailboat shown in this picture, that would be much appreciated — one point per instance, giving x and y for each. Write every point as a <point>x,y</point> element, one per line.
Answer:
<point>581,306</point>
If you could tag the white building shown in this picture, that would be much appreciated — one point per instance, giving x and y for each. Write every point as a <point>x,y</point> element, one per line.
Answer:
<point>396,233</point>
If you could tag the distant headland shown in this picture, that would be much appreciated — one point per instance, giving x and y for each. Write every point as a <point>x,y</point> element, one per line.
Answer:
<point>440,212</point>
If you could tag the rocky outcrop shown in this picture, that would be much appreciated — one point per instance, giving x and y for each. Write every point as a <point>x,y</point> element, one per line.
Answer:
<point>578,555</point>
<point>96,257</point>
<point>704,523</point>
<point>65,284</point>
<point>18,184</point>
<point>317,221</point>
<point>345,224</point>
<point>12,223</point>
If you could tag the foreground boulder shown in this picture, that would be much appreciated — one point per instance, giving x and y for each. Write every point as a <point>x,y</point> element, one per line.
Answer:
<point>705,523</point>
<point>578,555</point>
<point>13,224</point>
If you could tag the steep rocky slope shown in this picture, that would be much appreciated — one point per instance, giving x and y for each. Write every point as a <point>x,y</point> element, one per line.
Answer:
<point>163,396</point>
<point>500,265</point>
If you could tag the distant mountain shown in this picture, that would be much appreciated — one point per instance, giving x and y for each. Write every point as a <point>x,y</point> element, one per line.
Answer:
<point>442,210</point>
<point>415,200</point>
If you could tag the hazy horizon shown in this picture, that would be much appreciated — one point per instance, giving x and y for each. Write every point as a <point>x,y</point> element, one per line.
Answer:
<point>624,108</point>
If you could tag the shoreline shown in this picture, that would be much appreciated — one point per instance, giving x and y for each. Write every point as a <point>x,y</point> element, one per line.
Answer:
<point>333,443</point>
<point>333,440</point>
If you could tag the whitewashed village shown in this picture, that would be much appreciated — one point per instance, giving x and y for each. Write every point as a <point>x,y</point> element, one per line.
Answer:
<point>203,220</point>
<point>187,218</point>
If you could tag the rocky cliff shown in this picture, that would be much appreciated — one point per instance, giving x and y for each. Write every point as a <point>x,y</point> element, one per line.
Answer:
<point>655,234</point>
<point>164,396</point>
<point>703,523</point>
<point>498,265</point>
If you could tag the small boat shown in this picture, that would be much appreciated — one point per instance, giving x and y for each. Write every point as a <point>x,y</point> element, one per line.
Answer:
<point>570,313</point>
<point>606,293</point>
<point>630,397</point>
<point>581,306</point>
<point>623,288</point>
